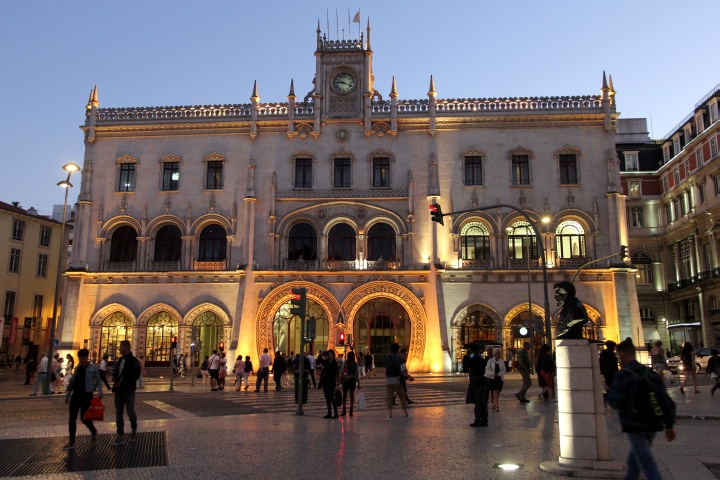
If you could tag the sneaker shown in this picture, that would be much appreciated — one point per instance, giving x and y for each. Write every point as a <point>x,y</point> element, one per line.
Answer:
<point>524,400</point>
<point>328,416</point>
<point>119,440</point>
<point>408,415</point>
<point>69,446</point>
<point>389,418</point>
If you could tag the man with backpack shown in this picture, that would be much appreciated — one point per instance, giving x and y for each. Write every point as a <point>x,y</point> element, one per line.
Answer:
<point>644,407</point>
<point>393,386</point>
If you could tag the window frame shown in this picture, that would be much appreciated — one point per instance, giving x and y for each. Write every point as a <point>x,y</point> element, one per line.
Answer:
<point>18,230</point>
<point>519,164</point>
<point>14,260</point>
<point>473,167</point>
<point>304,166</point>
<point>477,243</point>
<point>713,148</point>
<point>701,193</point>
<point>634,185</point>
<point>127,177</point>
<point>45,236</point>
<point>636,216</point>
<point>380,165</point>
<point>42,265</point>
<point>566,163</point>
<point>344,171</point>
<point>561,239</point>
<point>10,303</point>
<point>217,160</point>
<point>168,183</point>
<point>632,161</point>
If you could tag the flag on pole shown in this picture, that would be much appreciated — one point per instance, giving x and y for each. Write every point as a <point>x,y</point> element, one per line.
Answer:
<point>356,18</point>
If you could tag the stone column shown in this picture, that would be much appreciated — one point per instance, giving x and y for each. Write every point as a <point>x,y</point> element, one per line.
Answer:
<point>714,250</point>
<point>676,252</point>
<point>694,266</point>
<point>584,442</point>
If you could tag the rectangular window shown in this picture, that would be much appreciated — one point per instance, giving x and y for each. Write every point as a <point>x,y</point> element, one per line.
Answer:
<point>214,175</point>
<point>341,174</point>
<point>676,208</point>
<point>707,251</point>
<point>701,193</point>
<point>713,112</point>
<point>666,184</point>
<point>687,167</point>
<point>14,262</point>
<point>127,177</point>
<point>636,217</point>
<point>473,170</point>
<point>689,200</point>
<point>713,148</point>
<point>633,189</point>
<point>669,213</point>
<point>568,169</point>
<point>303,173</point>
<point>520,170</point>
<point>18,227</point>
<point>716,183</point>
<point>9,310</point>
<point>381,172</point>
<point>631,162</point>
<point>699,127</point>
<point>42,265</point>
<point>171,176</point>
<point>676,145</point>
<point>37,306</point>
<point>699,156</point>
<point>676,176</point>
<point>666,154</point>
<point>45,236</point>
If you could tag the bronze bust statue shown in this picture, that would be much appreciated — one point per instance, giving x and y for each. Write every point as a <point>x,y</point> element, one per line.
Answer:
<point>572,316</point>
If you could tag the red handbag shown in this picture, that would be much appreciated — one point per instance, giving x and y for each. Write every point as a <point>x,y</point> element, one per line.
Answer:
<point>96,411</point>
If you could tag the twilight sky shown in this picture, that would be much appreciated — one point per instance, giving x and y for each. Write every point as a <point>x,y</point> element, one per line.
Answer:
<point>661,55</point>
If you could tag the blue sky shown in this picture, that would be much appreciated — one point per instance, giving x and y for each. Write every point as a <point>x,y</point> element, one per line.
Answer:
<point>662,56</point>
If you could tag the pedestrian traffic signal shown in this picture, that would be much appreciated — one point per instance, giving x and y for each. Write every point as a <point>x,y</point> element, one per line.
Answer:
<point>173,341</point>
<point>298,301</point>
<point>623,252</point>
<point>221,346</point>
<point>310,330</point>
<point>436,213</point>
<point>341,338</point>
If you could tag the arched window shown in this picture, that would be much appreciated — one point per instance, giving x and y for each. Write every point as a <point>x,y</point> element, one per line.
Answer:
<point>115,328</point>
<point>213,242</point>
<point>168,244</point>
<point>644,265</point>
<point>286,328</point>
<point>381,242</point>
<point>521,238</point>
<point>123,244</point>
<point>160,328</point>
<point>474,241</point>
<point>570,240</point>
<point>210,331</point>
<point>302,242</point>
<point>341,242</point>
<point>379,323</point>
<point>477,327</point>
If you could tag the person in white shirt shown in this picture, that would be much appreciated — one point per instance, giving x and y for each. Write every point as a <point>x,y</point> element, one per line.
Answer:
<point>312,367</point>
<point>41,372</point>
<point>263,370</point>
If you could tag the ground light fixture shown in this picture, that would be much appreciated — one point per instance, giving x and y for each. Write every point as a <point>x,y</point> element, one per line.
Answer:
<point>508,467</point>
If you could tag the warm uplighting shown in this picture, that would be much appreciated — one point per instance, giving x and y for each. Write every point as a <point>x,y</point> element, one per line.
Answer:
<point>545,219</point>
<point>71,167</point>
<point>508,467</point>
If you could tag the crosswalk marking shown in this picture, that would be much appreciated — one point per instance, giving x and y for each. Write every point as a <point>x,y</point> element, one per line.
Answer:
<point>174,411</point>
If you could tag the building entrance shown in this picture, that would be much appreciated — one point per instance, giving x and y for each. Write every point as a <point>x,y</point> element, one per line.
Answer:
<point>379,323</point>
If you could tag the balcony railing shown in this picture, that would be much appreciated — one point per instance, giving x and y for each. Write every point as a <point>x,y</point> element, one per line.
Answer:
<point>163,266</point>
<point>694,280</point>
<point>120,266</point>
<point>216,265</point>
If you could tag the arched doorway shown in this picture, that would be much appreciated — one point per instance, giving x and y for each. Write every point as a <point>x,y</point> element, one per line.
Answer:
<point>210,332</point>
<point>523,329</point>
<point>379,323</point>
<point>116,327</point>
<point>286,328</point>
<point>160,328</point>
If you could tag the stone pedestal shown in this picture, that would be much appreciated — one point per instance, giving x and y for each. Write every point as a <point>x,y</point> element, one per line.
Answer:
<point>584,444</point>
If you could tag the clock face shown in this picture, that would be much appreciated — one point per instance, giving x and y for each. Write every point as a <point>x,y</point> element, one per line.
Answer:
<point>343,83</point>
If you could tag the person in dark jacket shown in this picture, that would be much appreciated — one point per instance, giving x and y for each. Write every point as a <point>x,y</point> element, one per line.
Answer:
<point>608,363</point>
<point>125,378</point>
<point>478,387</point>
<point>633,387</point>
<point>329,381</point>
<point>278,368</point>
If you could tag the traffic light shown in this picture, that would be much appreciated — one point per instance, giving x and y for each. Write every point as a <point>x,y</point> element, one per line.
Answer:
<point>623,252</point>
<point>341,338</point>
<point>436,213</point>
<point>298,301</point>
<point>221,346</point>
<point>173,341</point>
<point>310,328</point>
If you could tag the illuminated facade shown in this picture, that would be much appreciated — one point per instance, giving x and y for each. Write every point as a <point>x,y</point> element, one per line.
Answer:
<point>207,216</point>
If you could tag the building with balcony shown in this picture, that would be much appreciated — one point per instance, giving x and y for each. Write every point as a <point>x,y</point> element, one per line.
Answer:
<point>672,187</point>
<point>30,248</point>
<point>208,216</point>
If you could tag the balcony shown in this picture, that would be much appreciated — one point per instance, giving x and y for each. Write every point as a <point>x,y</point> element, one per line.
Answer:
<point>701,277</point>
<point>163,266</point>
<point>341,265</point>
<point>216,265</point>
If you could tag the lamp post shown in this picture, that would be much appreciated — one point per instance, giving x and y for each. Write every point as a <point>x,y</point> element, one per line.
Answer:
<point>70,168</point>
<point>437,215</point>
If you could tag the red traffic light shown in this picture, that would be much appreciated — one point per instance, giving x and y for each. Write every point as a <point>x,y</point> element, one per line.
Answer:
<point>221,345</point>
<point>341,339</point>
<point>436,214</point>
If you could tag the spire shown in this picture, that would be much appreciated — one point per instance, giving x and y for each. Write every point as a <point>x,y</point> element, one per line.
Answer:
<point>93,100</point>
<point>610,85</point>
<point>292,88</point>
<point>393,90</point>
<point>255,95</point>
<point>368,34</point>
<point>318,29</point>
<point>611,93</point>
<point>605,84</point>
<point>432,87</point>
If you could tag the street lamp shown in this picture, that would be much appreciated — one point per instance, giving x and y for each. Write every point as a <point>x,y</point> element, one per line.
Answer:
<point>70,168</point>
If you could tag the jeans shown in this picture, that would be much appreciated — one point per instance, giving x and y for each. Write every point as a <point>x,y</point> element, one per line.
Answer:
<point>640,457</point>
<point>40,380</point>
<point>527,383</point>
<point>80,402</point>
<point>125,401</point>
<point>263,373</point>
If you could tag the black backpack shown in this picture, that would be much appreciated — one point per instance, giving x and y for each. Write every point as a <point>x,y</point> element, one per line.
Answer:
<point>392,365</point>
<point>645,405</point>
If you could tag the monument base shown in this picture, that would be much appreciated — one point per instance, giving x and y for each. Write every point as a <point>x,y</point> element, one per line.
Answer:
<point>598,469</point>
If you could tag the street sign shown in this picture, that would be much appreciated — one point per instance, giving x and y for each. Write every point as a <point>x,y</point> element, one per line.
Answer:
<point>57,343</point>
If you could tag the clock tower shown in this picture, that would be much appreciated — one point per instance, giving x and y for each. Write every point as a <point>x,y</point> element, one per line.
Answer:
<point>343,77</point>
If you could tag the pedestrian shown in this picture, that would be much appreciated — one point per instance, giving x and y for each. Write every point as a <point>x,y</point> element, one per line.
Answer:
<point>405,376</point>
<point>349,378</point>
<point>466,362</point>
<point>393,386</point>
<point>263,372</point>
<point>289,368</point>
<point>478,387</point>
<point>247,371</point>
<point>238,370</point>
<point>369,364</point>
<point>30,368</point>
<point>713,370</point>
<point>495,373</point>
<point>18,361</point>
<point>214,370</point>
<point>658,359</point>
<point>124,384</point>
<point>546,368</point>
<point>510,362</point>
<point>608,363</point>
<point>222,371</point>
<point>103,369</point>
<point>361,365</point>
<point>278,370</point>
<point>687,358</point>
<point>41,372</point>
<point>644,407</point>
<point>523,366</point>
<point>59,375</point>
<point>313,363</point>
<point>141,378</point>
<point>329,381</point>
<point>79,394</point>
<point>205,371</point>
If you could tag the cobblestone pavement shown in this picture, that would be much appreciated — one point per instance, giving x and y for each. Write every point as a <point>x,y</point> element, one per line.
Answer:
<point>269,441</point>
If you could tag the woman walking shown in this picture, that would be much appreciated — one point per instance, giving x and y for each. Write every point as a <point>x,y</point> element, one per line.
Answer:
<point>329,381</point>
<point>239,371</point>
<point>349,377</point>
<point>69,367</point>
<point>248,369</point>
<point>713,370</point>
<point>687,357</point>
<point>495,373</point>
<point>658,359</point>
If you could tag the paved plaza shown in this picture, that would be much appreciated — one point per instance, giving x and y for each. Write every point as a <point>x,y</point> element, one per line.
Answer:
<point>267,440</point>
